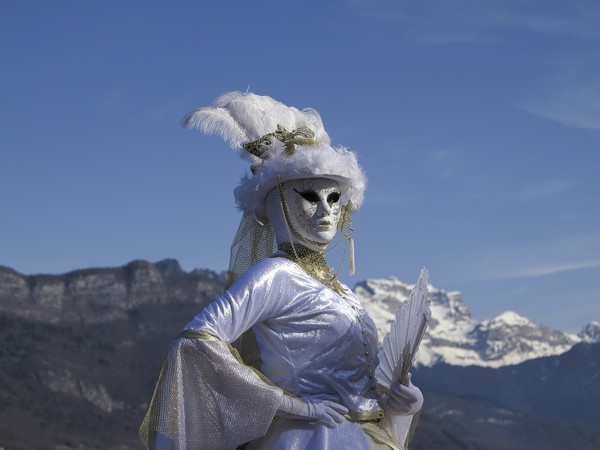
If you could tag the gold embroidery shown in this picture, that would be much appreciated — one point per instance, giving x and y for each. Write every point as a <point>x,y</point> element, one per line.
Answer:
<point>313,263</point>
<point>299,136</point>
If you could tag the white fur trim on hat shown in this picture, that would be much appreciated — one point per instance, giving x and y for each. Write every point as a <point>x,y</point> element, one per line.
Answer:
<point>337,163</point>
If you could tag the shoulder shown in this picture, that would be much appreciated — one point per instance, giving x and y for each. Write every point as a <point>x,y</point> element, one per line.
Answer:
<point>273,263</point>
<point>269,269</point>
<point>273,266</point>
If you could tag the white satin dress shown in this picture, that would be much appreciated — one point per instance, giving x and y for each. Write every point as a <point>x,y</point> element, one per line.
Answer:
<point>313,342</point>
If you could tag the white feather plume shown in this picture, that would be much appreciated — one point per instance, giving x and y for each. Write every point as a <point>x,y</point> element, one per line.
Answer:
<point>217,121</point>
<point>241,117</point>
<point>257,114</point>
<point>400,345</point>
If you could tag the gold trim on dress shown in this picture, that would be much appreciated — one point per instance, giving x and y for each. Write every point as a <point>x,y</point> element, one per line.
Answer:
<point>364,416</point>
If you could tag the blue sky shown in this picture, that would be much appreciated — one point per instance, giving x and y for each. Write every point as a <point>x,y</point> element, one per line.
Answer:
<point>478,123</point>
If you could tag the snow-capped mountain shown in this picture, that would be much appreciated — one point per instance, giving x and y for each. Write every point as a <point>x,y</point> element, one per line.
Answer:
<point>590,333</point>
<point>454,337</point>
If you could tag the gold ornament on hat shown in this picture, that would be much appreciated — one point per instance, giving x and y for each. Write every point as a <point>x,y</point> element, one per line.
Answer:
<point>300,136</point>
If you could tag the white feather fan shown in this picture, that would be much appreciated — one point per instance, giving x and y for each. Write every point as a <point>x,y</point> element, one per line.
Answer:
<point>400,345</point>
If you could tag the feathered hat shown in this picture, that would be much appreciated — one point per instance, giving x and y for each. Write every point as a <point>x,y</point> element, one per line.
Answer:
<point>282,142</point>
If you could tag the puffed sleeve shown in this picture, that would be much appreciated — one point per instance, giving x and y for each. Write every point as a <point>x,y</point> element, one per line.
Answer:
<point>255,297</point>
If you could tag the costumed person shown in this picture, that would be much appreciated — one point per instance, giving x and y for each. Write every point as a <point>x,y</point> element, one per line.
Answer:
<point>285,358</point>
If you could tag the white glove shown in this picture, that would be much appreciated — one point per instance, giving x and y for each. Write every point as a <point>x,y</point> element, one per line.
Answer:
<point>325,411</point>
<point>403,400</point>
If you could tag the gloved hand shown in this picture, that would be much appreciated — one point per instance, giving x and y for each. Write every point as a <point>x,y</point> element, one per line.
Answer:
<point>403,400</point>
<point>325,411</point>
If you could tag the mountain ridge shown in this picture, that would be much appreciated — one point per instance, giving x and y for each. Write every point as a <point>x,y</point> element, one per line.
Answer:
<point>94,295</point>
<point>455,337</point>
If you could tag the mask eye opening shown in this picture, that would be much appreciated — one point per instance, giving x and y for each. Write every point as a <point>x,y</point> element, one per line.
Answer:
<point>334,197</point>
<point>309,196</point>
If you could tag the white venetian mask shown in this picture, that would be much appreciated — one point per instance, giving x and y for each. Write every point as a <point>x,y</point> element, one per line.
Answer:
<point>313,206</point>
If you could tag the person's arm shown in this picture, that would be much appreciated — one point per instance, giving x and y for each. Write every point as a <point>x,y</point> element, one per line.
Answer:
<point>256,296</point>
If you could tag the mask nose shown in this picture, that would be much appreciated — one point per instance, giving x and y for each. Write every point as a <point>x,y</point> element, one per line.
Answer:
<point>324,209</point>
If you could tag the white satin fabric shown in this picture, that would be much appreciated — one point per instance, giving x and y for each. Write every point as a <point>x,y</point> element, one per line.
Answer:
<point>313,342</point>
